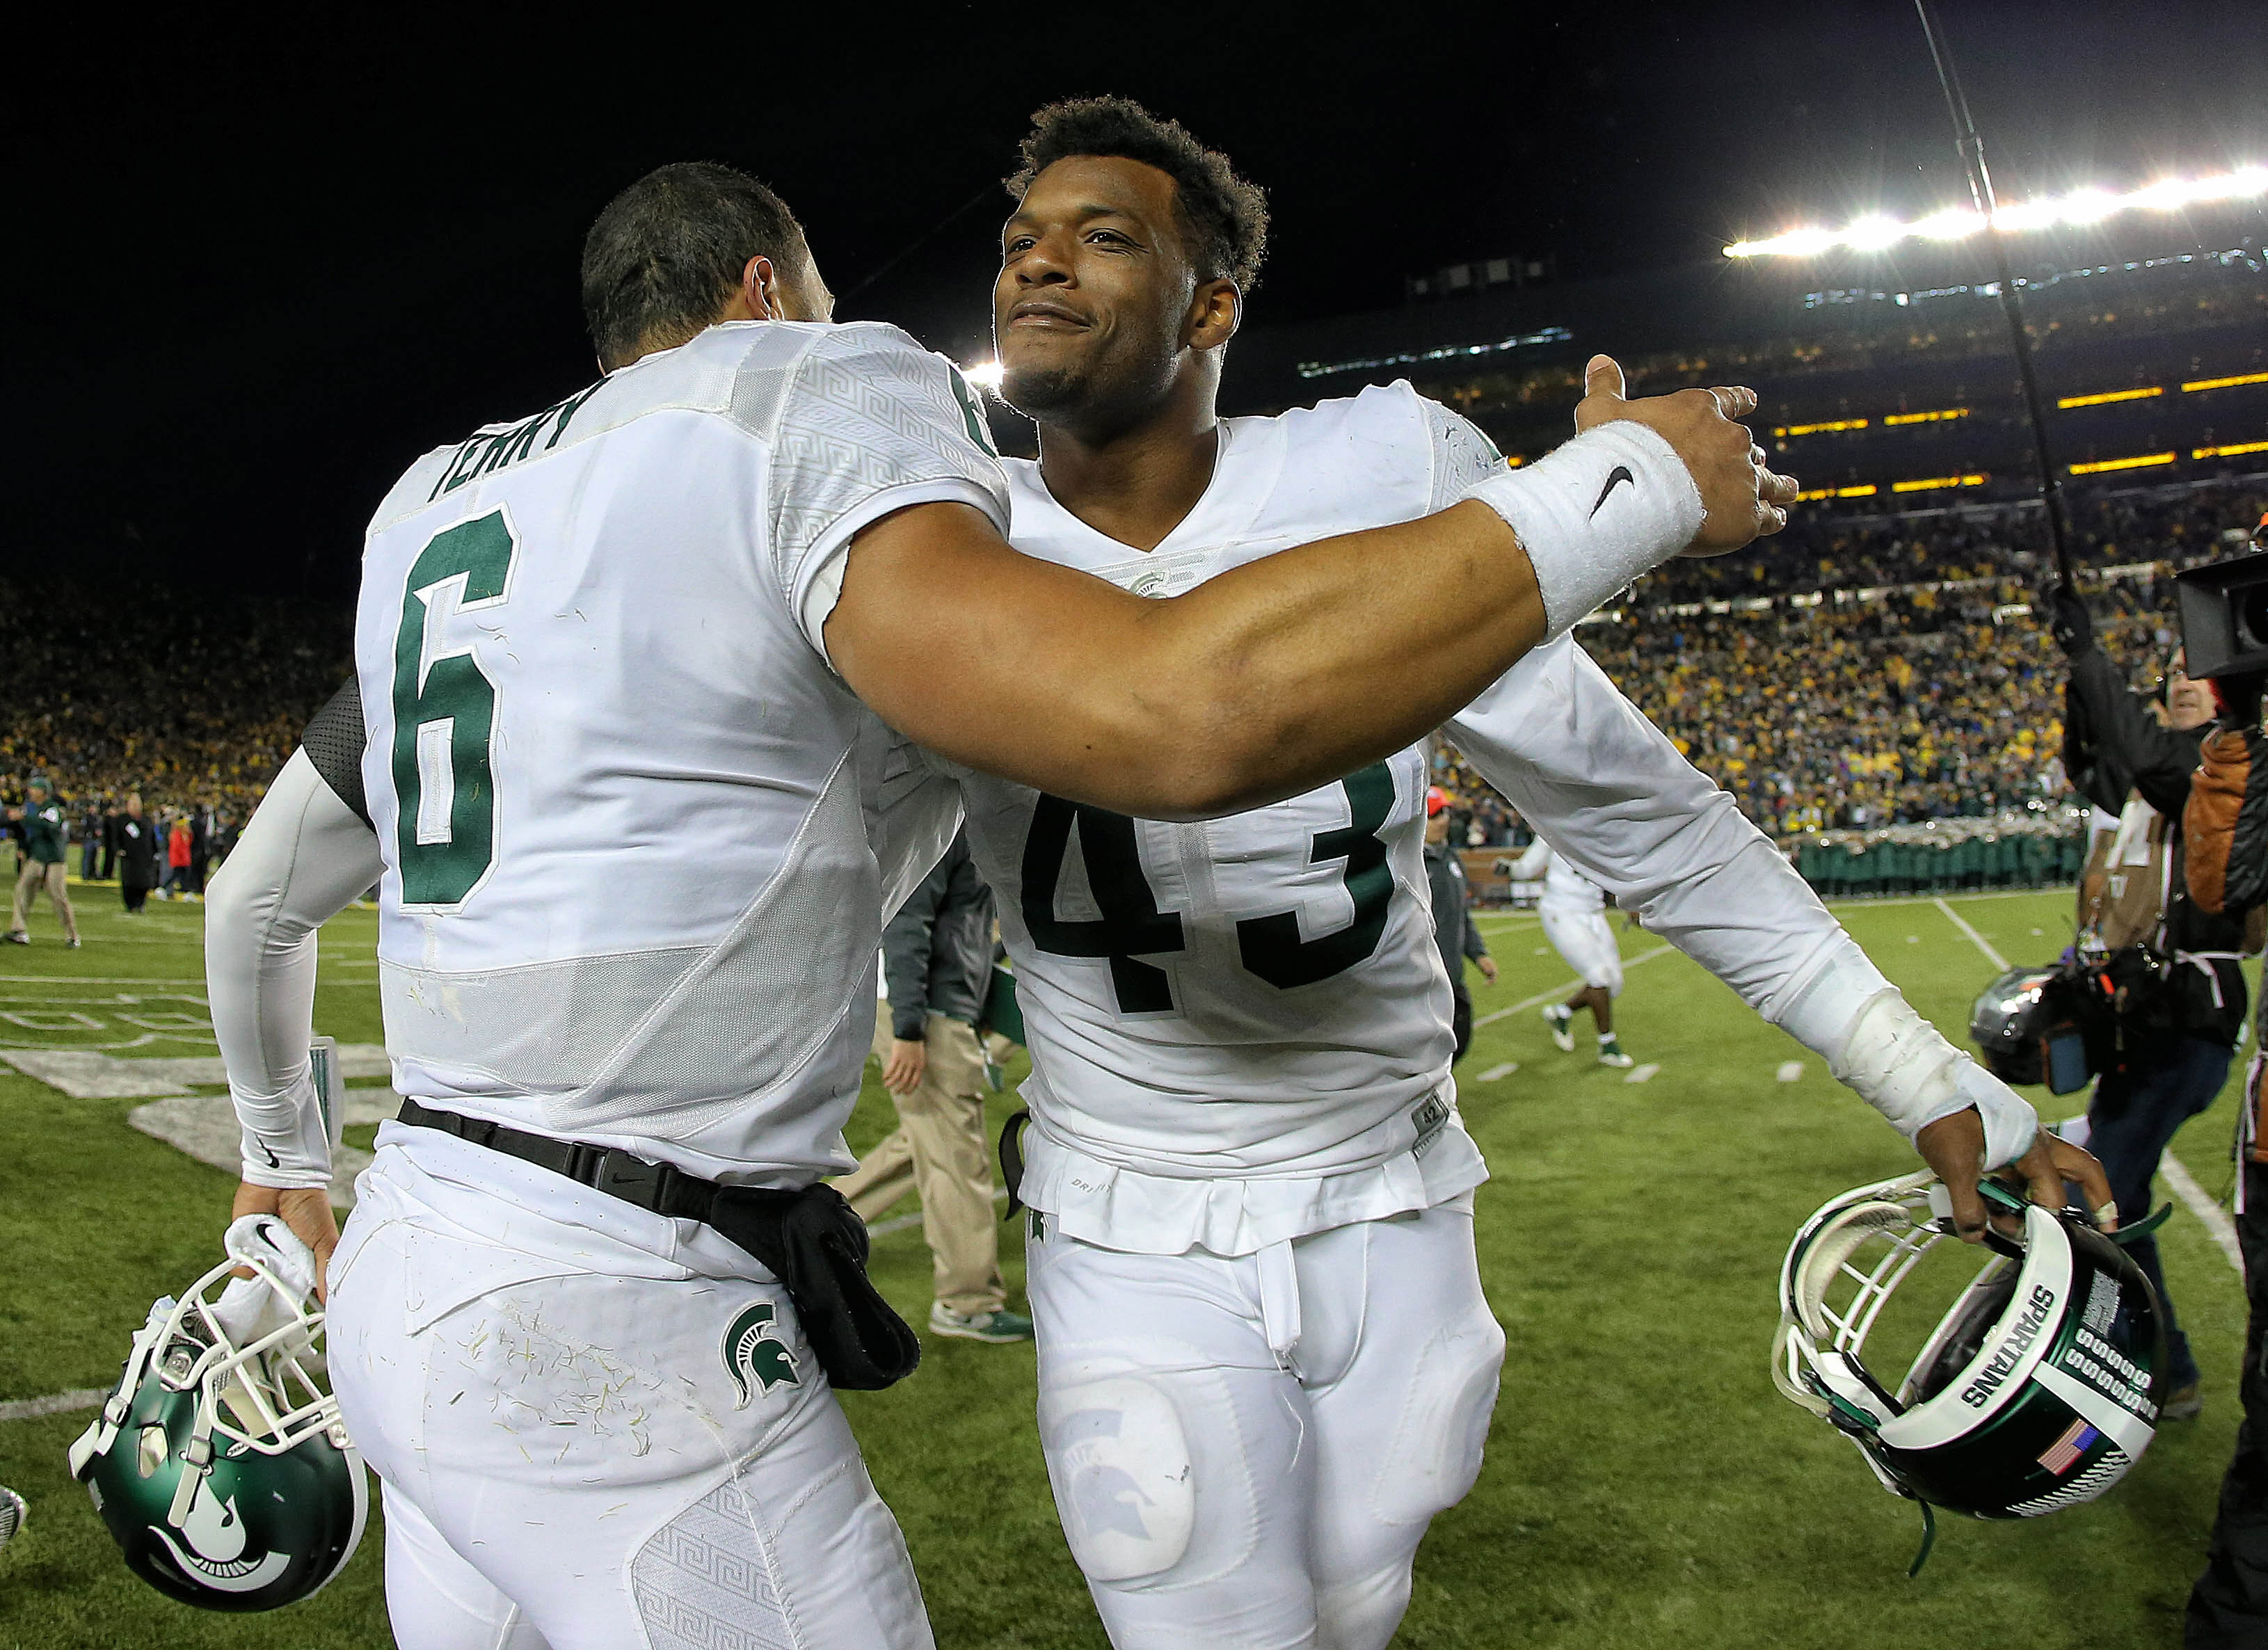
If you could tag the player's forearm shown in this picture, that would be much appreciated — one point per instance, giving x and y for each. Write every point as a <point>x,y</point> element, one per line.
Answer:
<point>1300,667</point>
<point>303,855</point>
<point>1268,681</point>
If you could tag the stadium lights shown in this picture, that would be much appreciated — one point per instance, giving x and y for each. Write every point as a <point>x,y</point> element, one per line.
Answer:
<point>1933,483</point>
<point>2231,450</point>
<point>986,375</point>
<point>2142,462</point>
<point>1876,232</point>
<point>2196,384</point>
<point>1829,427</point>
<point>2067,402</point>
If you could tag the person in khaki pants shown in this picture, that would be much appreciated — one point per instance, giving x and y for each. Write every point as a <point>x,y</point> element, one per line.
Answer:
<point>41,822</point>
<point>937,960</point>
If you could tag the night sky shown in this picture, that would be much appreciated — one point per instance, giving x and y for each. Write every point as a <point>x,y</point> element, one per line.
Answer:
<point>254,274</point>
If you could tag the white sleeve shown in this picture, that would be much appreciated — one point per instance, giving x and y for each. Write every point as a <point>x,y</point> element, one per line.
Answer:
<point>869,424</point>
<point>920,815</point>
<point>1533,862</point>
<point>302,857</point>
<point>1613,797</point>
<point>1462,454</point>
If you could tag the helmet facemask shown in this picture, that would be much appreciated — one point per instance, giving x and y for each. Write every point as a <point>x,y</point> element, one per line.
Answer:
<point>2035,1390</point>
<point>225,1378</point>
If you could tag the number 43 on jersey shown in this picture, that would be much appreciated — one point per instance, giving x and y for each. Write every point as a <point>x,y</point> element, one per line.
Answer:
<point>1132,926</point>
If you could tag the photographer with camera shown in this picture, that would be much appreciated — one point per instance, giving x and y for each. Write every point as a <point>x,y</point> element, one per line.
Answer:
<point>2160,1042</point>
<point>2226,870</point>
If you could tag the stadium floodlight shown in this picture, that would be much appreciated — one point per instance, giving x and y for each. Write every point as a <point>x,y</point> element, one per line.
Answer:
<point>1869,234</point>
<point>986,375</point>
<point>1953,223</point>
<point>1876,231</point>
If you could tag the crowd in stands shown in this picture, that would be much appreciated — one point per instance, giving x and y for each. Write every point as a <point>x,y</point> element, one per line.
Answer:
<point>190,700</point>
<point>2007,546</point>
<point>1853,675</point>
<point>1918,687</point>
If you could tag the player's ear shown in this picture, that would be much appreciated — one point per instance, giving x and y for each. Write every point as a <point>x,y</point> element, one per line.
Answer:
<point>1216,310</point>
<point>756,298</point>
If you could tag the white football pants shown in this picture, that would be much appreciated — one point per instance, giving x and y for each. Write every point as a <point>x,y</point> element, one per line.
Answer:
<point>1586,945</point>
<point>1246,1452</point>
<point>598,1429</point>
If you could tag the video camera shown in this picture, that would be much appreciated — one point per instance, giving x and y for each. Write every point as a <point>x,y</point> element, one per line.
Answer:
<point>2224,612</point>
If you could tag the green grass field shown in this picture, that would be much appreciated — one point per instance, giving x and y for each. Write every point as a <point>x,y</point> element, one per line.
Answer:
<point>1644,1486</point>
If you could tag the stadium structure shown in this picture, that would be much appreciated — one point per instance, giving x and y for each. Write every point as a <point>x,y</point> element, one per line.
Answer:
<point>1886,380</point>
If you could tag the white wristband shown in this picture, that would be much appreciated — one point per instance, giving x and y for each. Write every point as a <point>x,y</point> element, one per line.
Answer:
<point>1614,502</point>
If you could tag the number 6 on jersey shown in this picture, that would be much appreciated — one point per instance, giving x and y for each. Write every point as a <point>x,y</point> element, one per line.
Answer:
<point>445,718</point>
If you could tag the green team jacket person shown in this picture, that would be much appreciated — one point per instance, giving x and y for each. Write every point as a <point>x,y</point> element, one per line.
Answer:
<point>42,818</point>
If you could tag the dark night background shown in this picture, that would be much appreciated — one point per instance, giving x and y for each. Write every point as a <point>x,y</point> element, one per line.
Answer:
<point>255,272</point>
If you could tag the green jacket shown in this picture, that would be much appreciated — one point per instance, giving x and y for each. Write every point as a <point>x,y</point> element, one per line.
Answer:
<point>43,830</point>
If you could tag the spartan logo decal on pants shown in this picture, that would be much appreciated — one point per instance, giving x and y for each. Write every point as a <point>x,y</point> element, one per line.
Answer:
<point>1121,1467</point>
<point>756,1355</point>
<point>1218,1491</point>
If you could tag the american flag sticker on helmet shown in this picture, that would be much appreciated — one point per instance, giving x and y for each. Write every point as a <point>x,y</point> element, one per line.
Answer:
<point>2061,1455</point>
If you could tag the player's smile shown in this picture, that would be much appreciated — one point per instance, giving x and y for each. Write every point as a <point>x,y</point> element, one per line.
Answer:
<point>1046,315</point>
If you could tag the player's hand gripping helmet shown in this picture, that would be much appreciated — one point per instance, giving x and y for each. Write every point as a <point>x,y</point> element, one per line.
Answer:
<point>220,1463</point>
<point>2036,1391</point>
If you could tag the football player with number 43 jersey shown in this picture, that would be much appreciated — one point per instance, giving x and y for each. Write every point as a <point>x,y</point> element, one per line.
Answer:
<point>634,673</point>
<point>1265,1359</point>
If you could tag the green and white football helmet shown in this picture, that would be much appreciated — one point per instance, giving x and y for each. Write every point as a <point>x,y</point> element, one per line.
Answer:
<point>2036,1390</point>
<point>220,1462</point>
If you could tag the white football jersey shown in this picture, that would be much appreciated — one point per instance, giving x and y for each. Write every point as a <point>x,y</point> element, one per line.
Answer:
<point>1565,889</point>
<point>1239,1029</point>
<point>637,834</point>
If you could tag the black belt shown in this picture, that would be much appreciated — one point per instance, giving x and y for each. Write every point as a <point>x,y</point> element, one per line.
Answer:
<point>811,1240</point>
<point>619,1174</point>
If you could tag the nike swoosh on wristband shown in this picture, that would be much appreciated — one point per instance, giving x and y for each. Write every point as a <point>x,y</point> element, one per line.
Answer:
<point>1615,477</point>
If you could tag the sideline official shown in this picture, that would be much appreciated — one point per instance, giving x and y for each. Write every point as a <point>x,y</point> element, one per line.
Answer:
<point>937,960</point>
<point>41,823</point>
<point>1453,930</point>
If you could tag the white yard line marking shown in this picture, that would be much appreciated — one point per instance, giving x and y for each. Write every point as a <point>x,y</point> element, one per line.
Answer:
<point>2205,1208</point>
<point>53,1403</point>
<point>1643,1073</point>
<point>91,979</point>
<point>1976,939</point>
<point>1790,1072</point>
<point>1568,990</point>
<point>1498,1073</point>
<point>1924,899</point>
<point>2210,1214</point>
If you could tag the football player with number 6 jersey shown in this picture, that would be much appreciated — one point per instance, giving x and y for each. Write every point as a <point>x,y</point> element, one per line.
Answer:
<point>1265,1359</point>
<point>587,1317</point>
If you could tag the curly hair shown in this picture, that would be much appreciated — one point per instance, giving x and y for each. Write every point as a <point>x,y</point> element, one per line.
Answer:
<point>1223,219</point>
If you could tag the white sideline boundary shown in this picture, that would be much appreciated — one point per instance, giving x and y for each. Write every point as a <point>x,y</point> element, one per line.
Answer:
<point>53,1403</point>
<point>2209,1213</point>
<point>1568,990</point>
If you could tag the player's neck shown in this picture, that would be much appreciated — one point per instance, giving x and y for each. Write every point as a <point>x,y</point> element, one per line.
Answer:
<point>1138,484</point>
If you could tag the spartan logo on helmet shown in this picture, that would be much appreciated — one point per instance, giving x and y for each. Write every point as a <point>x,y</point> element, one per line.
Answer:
<point>219,1464</point>
<point>756,1356</point>
<point>213,1544</point>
